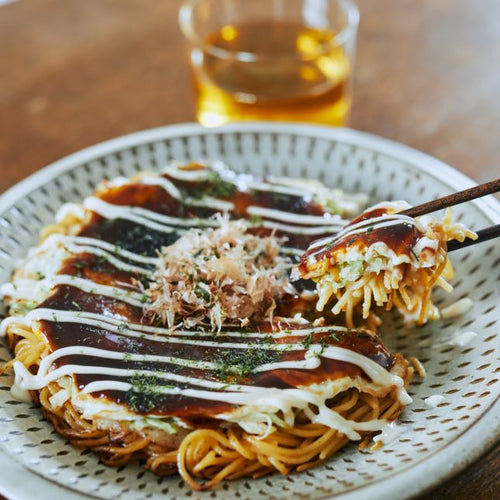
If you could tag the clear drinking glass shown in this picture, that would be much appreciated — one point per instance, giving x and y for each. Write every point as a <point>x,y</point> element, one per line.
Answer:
<point>271,59</point>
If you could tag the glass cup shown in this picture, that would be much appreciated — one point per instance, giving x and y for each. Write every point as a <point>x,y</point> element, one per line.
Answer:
<point>288,60</point>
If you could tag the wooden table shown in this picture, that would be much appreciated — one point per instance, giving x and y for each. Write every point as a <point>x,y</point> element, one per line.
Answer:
<point>75,73</point>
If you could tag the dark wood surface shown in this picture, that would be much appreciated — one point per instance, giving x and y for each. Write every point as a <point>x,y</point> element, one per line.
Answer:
<point>75,73</point>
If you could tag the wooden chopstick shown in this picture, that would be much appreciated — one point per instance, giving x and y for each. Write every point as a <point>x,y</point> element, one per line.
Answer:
<point>453,199</point>
<point>484,235</point>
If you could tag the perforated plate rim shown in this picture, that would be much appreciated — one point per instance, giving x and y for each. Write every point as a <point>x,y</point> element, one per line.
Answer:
<point>444,463</point>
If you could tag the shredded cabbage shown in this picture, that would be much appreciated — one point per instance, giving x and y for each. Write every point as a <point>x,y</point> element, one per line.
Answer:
<point>169,426</point>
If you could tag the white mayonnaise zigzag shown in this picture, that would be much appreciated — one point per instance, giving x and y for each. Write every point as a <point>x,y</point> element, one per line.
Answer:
<point>169,224</point>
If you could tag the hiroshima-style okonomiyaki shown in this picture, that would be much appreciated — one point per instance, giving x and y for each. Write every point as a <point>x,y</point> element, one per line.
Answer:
<point>384,257</point>
<point>158,321</point>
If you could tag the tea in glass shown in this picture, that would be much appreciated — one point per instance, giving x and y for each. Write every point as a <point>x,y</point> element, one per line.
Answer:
<point>255,61</point>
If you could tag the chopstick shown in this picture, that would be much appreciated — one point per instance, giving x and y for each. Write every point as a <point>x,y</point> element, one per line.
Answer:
<point>484,235</point>
<point>454,199</point>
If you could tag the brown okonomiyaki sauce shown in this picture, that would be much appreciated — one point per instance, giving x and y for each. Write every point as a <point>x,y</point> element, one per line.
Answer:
<point>400,238</point>
<point>133,237</point>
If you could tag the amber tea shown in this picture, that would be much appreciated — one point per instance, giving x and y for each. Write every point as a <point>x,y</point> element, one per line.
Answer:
<point>271,70</point>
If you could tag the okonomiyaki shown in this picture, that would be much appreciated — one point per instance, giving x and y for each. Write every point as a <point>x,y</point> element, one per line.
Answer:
<point>157,321</point>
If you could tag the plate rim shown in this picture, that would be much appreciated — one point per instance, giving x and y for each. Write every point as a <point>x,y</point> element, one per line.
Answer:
<point>451,176</point>
<point>436,468</point>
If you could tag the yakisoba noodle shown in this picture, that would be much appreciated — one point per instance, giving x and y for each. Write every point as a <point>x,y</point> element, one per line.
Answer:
<point>279,393</point>
<point>384,259</point>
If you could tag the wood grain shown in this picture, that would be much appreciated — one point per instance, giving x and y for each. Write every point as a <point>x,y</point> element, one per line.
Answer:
<point>76,73</point>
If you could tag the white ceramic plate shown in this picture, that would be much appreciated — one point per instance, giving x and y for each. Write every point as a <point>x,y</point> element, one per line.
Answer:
<point>437,442</point>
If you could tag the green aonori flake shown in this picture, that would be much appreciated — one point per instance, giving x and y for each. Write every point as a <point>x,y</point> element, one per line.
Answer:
<point>242,362</point>
<point>307,341</point>
<point>122,327</point>
<point>202,293</point>
<point>337,336</point>
<point>214,185</point>
<point>144,393</point>
<point>219,187</point>
<point>255,220</point>
<point>324,344</point>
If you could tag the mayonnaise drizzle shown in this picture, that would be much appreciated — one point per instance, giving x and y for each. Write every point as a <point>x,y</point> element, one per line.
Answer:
<point>107,256</point>
<point>171,189</point>
<point>434,400</point>
<point>279,185</point>
<point>70,209</point>
<point>166,223</point>
<point>256,210</point>
<point>135,329</point>
<point>457,308</point>
<point>194,175</point>
<point>28,289</point>
<point>83,241</point>
<point>378,374</point>
<point>271,213</point>
<point>143,216</point>
<point>390,432</point>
